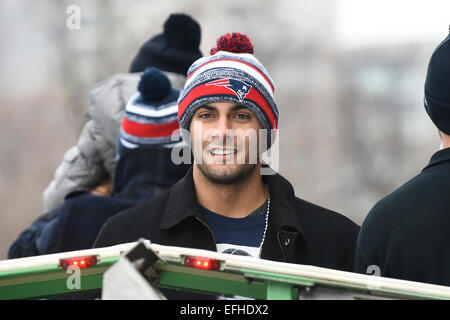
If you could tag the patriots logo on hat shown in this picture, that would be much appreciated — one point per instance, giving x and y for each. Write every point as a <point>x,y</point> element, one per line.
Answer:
<point>241,89</point>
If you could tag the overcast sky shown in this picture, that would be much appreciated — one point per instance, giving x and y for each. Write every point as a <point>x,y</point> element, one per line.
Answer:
<point>362,22</point>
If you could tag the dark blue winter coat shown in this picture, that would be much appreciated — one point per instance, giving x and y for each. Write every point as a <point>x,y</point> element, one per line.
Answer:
<point>140,175</point>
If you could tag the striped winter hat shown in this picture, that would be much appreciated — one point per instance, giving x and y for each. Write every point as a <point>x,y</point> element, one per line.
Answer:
<point>151,114</point>
<point>230,73</point>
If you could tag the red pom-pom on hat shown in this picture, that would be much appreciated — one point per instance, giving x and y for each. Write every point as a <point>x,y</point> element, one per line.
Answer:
<point>233,42</point>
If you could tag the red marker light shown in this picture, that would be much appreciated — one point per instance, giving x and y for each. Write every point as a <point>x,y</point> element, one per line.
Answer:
<point>202,263</point>
<point>80,262</point>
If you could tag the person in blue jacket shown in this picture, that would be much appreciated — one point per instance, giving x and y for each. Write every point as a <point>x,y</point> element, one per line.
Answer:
<point>143,170</point>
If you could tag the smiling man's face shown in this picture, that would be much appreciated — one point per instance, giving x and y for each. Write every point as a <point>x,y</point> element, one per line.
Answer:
<point>225,141</point>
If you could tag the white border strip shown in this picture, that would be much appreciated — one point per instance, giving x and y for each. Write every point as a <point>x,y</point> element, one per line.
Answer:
<point>147,112</point>
<point>127,144</point>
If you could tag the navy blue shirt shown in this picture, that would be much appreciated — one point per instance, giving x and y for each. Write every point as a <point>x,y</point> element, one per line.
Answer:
<point>239,236</point>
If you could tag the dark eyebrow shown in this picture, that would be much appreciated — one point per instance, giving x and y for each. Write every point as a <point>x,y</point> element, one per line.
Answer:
<point>208,107</point>
<point>211,108</point>
<point>238,107</point>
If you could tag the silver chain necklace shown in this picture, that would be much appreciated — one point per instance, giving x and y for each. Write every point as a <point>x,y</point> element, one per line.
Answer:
<point>267,221</point>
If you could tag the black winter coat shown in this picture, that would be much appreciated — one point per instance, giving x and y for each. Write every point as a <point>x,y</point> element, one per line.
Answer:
<point>298,231</point>
<point>407,234</point>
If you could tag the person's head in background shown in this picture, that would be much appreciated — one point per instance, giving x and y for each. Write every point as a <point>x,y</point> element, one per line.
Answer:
<point>437,90</point>
<point>173,50</point>
<point>149,132</point>
<point>151,115</point>
<point>148,124</point>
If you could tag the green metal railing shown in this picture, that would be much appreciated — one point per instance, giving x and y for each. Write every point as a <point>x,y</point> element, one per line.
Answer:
<point>49,280</point>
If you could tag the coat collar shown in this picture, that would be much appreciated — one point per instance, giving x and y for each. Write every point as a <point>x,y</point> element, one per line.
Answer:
<point>438,158</point>
<point>182,203</point>
<point>284,212</point>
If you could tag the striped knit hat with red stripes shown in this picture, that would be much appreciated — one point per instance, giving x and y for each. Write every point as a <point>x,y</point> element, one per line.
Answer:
<point>230,73</point>
<point>151,114</point>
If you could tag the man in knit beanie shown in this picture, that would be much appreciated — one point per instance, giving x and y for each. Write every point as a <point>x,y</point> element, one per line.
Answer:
<point>406,234</point>
<point>238,78</point>
<point>227,206</point>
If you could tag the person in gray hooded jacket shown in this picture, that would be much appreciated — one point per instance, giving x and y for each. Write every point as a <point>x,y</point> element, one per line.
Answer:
<point>93,159</point>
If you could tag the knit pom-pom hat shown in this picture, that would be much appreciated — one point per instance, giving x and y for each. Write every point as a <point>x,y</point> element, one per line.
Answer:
<point>230,73</point>
<point>173,50</point>
<point>150,115</point>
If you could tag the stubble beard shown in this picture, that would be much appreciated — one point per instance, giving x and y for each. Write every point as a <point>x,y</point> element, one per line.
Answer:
<point>221,171</point>
<point>227,176</point>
